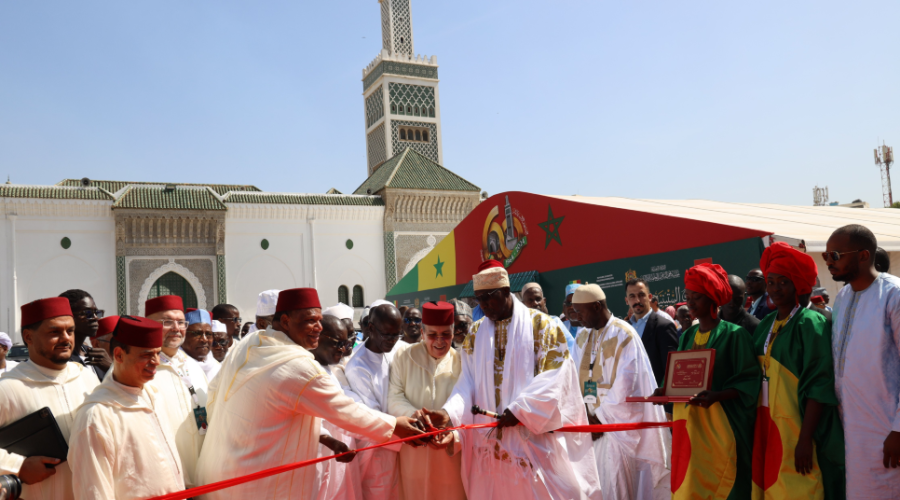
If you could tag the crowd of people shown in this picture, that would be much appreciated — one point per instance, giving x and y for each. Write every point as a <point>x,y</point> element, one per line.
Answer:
<point>804,400</point>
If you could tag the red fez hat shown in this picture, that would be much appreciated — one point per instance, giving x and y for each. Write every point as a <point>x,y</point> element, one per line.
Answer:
<point>437,313</point>
<point>710,280</point>
<point>489,264</point>
<point>39,310</point>
<point>163,303</point>
<point>139,332</point>
<point>297,298</point>
<point>107,325</point>
<point>800,268</point>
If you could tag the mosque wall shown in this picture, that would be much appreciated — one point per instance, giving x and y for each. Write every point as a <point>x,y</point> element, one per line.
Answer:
<point>49,246</point>
<point>286,246</point>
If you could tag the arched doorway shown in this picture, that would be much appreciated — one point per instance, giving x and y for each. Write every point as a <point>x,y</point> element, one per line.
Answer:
<point>173,283</point>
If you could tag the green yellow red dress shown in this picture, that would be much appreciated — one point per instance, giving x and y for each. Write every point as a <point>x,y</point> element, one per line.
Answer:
<point>712,447</point>
<point>800,367</point>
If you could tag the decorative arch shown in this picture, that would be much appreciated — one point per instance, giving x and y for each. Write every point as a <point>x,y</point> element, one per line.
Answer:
<point>178,269</point>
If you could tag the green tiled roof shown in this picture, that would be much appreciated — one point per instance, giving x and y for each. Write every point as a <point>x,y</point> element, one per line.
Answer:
<point>53,192</point>
<point>113,186</point>
<point>305,199</point>
<point>411,170</point>
<point>180,198</point>
<point>516,282</point>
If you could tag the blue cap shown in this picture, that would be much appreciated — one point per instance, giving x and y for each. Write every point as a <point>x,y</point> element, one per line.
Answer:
<point>198,316</point>
<point>570,289</point>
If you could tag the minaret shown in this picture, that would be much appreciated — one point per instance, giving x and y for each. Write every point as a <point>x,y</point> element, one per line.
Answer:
<point>400,92</point>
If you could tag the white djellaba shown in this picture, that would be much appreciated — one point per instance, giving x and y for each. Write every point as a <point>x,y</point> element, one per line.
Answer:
<point>533,463</point>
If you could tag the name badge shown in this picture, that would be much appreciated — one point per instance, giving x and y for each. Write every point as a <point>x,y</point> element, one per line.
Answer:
<point>590,392</point>
<point>764,392</point>
<point>200,417</point>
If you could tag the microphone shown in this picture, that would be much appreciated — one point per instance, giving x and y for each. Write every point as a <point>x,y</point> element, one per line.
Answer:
<point>477,410</point>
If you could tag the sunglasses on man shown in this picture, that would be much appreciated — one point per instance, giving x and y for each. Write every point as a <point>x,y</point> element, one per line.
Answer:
<point>344,345</point>
<point>835,256</point>
<point>414,321</point>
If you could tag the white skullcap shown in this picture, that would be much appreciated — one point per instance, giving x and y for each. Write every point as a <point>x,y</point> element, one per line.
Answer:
<point>265,304</point>
<point>587,294</point>
<point>218,326</point>
<point>528,286</point>
<point>340,311</point>
<point>5,340</point>
<point>490,278</point>
<point>379,302</point>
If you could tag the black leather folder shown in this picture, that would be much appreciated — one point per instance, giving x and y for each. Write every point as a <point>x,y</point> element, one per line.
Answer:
<point>37,434</point>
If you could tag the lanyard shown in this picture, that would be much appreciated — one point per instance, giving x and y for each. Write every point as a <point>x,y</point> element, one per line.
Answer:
<point>596,347</point>
<point>770,338</point>
<point>185,376</point>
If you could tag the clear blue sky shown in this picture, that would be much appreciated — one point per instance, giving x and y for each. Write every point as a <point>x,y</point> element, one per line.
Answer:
<point>736,101</point>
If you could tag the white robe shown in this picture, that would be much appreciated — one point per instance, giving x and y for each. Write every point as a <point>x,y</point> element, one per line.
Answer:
<point>172,377</point>
<point>25,390</point>
<point>338,481</point>
<point>530,462</point>
<point>866,348</point>
<point>631,464</point>
<point>10,364</point>
<point>369,376</point>
<point>210,366</point>
<point>122,446</point>
<point>265,410</point>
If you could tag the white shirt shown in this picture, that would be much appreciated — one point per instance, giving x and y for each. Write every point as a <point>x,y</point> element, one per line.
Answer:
<point>26,390</point>
<point>866,349</point>
<point>122,446</point>
<point>10,364</point>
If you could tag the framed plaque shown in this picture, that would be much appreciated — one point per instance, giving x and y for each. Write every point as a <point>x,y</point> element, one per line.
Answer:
<point>687,373</point>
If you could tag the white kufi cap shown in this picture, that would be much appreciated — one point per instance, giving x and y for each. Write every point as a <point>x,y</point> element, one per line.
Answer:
<point>265,304</point>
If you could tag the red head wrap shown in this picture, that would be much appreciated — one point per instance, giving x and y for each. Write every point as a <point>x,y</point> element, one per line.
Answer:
<point>781,258</point>
<point>489,264</point>
<point>710,280</point>
<point>297,298</point>
<point>39,310</point>
<point>163,303</point>
<point>437,313</point>
<point>139,332</point>
<point>817,299</point>
<point>107,325</point>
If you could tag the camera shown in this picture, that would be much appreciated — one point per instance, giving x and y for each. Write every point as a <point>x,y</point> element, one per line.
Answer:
<point>10,487</point>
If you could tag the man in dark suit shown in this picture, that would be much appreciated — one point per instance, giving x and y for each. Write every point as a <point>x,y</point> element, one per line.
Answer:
<point>734,312</point>
<point>657,330</point>
<point>758,303</point>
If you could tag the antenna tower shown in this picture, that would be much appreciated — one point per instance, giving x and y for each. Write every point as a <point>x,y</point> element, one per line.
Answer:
<point>820,196</point>
<point>884,156</point>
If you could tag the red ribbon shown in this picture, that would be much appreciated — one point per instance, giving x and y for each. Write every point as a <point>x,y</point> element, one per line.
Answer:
<point>221,485</point>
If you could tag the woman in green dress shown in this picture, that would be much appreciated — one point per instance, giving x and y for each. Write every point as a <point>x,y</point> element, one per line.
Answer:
<point>799,447</point>
<point>713,436</point>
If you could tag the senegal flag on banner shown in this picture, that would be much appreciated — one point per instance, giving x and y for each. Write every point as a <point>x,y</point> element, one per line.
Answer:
<point>438,268</point>
<point>799,368</point>
<point>712,446</point>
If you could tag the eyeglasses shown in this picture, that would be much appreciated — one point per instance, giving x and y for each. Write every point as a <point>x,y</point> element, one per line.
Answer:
<point>835,256</point>
<point>90,313</point>
<point>412,320</point>
<point>755,278</point>
<point>220,343</point>
<point>171,323</point>
<point>236,321</point>
<point>201,334</point>
<point>567,303</point>
<point>484,297</point>
<point>344,345</point>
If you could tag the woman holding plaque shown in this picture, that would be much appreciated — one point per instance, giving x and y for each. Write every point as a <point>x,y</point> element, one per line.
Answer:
<point>712,440</point>
<point>799,447</point>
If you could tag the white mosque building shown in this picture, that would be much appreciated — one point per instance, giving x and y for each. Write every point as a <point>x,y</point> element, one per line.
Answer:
<point>126,241</point>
